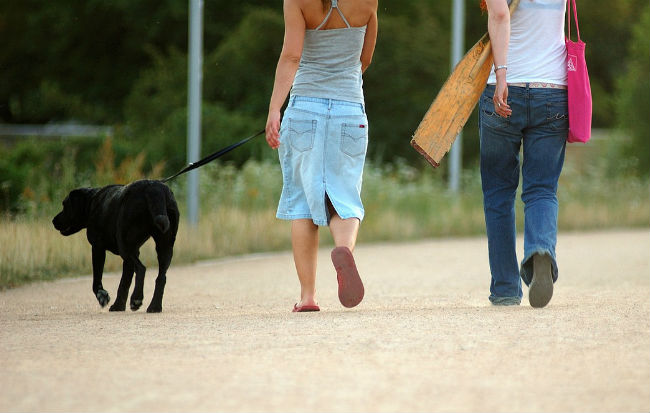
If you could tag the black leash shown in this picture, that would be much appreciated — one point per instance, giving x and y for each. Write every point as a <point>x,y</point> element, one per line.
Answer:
<point>212,157</point>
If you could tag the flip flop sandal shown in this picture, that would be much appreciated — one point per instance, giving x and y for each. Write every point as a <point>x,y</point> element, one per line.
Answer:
<point>304,308</point>
<point>350,285</point>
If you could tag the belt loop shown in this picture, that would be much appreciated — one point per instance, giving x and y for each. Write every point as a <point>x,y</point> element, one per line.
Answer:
<point>292,101</point>
<point>329,104</point>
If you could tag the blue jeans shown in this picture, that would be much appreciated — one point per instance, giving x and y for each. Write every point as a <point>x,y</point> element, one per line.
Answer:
<point>539,120</point>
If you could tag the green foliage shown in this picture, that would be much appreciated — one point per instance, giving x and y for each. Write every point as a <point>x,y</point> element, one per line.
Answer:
<point>157,93</point>
<point>35,175</point>
<point>90,50</point>
<point>239,72</point>
<point>34,172</point>
<point>605,28</point>
<point>402,81</point>
<point>12,182</point>
<point>235,100</point>
<point>633,102</point>
<point>238,214</point>
<point>124,63</point>
<point>155,108</point>
<point>157,117</point>
<point>93,50</point>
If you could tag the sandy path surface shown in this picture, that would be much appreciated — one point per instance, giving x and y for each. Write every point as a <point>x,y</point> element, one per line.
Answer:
<point>425,338</point>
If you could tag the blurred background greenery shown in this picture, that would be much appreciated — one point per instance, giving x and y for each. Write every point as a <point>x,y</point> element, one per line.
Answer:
<point>123,64</point>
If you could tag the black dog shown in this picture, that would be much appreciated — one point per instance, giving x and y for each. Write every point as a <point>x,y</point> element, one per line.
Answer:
<point>120,219</point>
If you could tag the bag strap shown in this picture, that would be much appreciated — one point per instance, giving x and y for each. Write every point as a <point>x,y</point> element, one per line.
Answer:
<point>575,17</point>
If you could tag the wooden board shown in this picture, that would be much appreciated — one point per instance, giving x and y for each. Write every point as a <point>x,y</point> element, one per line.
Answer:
<point>455,102</point>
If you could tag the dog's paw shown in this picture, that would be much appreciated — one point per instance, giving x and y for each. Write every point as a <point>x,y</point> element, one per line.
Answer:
<point>135,304</point>
<point>116,307</point>
<point>102,297</point>
<point>154,308</point>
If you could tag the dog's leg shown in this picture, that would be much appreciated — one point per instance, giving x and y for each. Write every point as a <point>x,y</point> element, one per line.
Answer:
<point>99,256</point>
<point>125,284</point>
<point>164,260</point>
<point>138,291</point>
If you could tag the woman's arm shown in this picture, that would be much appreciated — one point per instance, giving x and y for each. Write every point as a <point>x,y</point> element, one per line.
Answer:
<point>370,40</point>
<point>499,29</point>
<point>294,36</point>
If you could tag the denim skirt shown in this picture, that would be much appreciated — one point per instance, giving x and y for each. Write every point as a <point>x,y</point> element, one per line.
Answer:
<point>322,152</point>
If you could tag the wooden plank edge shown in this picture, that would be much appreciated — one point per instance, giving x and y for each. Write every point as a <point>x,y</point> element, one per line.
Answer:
<point>422,152</point>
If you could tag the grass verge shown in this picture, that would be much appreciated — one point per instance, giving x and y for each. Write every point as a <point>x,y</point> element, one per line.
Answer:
<point>238,216</point>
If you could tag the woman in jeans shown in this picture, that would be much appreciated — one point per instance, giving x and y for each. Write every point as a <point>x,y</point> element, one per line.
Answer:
<point>323,136</point>
<point>524,104</point>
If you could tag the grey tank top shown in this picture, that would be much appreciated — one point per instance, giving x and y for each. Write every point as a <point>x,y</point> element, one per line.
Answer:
<point>330,66</point>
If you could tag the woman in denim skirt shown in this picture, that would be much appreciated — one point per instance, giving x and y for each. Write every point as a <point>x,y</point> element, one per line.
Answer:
<point>524,104</point>
<point>323,136</point>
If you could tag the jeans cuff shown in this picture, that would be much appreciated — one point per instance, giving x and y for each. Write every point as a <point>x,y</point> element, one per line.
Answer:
<point>504,301</point>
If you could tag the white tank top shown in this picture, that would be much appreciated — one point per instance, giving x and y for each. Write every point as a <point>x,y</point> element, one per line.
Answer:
<point>537,52</point>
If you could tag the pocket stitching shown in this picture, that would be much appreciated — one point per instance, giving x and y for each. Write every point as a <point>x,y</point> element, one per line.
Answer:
<point>560,115</point>
<point>354,138</point>
<point>491,118</point>
<point>295,132</point>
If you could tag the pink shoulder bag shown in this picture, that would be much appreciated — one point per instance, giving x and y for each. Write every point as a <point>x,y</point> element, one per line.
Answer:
<point>579,89</point>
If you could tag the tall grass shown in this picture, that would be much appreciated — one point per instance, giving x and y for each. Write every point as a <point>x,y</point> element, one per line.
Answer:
<point>238,214</point>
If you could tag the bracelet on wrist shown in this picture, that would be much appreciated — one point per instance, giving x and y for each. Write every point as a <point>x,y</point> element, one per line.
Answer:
<point>500,67</point>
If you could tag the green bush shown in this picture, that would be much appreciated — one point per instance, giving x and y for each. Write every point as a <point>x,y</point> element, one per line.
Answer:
<point>33,171</point>
<point>238,214</point>
<point>634,97</point>
<point>402,81</point>
<point>234,100</point>
<point>12,183</point>
<point>239,72</point>
<point>36,174</point>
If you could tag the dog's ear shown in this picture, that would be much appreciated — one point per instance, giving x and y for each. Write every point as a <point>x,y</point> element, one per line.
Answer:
<point>78,201</point>
<point>81,193</point>
<point>75,213</point>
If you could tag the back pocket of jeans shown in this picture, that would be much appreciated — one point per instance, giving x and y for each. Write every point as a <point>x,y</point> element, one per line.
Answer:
<point>488,115</point>
<point>354,139</point>
<point>301,134</point>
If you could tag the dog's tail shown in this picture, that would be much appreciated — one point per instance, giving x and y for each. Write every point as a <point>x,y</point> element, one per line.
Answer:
<point>162,222</point>
<point>156,201</point>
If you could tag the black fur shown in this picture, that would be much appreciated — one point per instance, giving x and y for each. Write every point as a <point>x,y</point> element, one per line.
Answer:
<point>120,219</point>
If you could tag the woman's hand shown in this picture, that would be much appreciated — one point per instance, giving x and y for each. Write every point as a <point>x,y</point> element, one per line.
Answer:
<point>500,98</point>
<point>273,129</point>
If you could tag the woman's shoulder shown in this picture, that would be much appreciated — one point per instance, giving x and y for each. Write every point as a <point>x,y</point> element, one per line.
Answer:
<point>356,12</point>
<point>367,5</point>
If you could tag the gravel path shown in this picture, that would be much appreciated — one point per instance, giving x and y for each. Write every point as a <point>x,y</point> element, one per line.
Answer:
<point>425,338</point>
